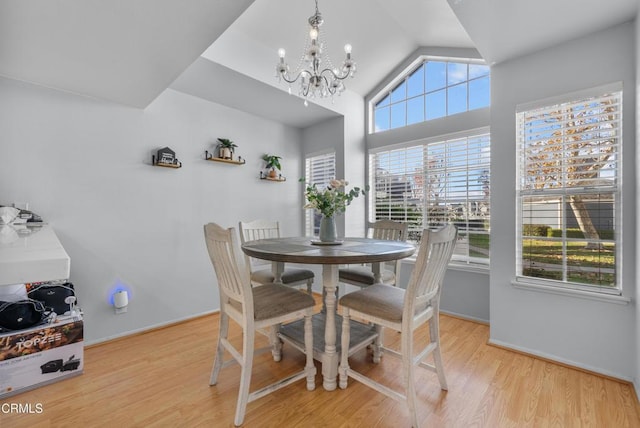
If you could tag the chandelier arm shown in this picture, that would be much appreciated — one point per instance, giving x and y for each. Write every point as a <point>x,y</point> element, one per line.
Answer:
<point>327,85</point>
<point>336,76</point>
<point>305,91</point>
<point>300,73</point>
<point>286,79</point>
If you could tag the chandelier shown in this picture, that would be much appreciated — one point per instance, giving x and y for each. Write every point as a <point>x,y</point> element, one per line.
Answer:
<point>317,75</point>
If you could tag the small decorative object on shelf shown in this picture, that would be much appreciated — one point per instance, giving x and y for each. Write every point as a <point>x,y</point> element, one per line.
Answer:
<point>226,148</point>
<point>208,156</point>
<point>167,158</point>
<point>273,163</point>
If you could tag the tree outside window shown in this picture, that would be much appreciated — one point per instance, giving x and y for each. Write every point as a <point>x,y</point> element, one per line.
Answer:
<point>569,191</point>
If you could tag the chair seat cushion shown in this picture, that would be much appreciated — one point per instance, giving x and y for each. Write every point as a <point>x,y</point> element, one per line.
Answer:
<point>273,300</point>
<point>289,276</point>
<point>364,275</point>
<point>380,300</point>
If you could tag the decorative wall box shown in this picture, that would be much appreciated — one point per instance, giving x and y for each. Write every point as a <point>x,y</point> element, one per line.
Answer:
<point>166,158</point>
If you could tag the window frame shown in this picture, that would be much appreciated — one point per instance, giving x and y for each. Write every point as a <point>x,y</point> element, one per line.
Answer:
<point>403,79</point>
<point>465,262</point>
<point>596,94</point>
<point>326,157</point>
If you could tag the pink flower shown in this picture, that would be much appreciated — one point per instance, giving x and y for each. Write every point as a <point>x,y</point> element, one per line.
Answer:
<point>336,184</point>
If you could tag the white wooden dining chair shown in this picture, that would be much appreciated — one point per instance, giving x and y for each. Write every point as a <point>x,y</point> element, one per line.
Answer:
<point>403,311</point>
<point>263,229</point>
<point>363,276</point>
<point>252,308</point>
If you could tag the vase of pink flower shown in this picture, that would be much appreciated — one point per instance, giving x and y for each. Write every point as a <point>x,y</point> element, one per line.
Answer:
<point>330,201</point>
<point>328,231</point>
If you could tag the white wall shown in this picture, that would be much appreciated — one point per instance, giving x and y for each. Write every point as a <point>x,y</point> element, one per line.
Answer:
<point>637,199</point>
<point>465,293</point>
<point>355,155</point>
<point>599,336</point>
<point>324,137</point>
<point>345,136</point>
<point>84,166</point>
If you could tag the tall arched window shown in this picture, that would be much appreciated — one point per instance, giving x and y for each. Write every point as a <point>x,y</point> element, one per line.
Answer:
<point>432,89</point>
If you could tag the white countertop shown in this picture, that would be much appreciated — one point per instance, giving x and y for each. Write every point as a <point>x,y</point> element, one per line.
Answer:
<point>33,254</point>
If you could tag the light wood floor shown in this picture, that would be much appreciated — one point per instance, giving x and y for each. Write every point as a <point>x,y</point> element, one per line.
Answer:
<point>161,379</point>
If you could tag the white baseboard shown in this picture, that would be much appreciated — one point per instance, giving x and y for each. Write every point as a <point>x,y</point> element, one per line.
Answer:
<point>465,317</point>
<point>565,361</point>
<point>149,328</point>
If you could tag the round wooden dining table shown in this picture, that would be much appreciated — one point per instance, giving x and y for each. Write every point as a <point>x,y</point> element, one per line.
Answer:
<point>306,250</point>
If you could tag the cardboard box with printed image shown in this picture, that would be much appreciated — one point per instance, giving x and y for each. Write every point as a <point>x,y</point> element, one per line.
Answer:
<point>40,355</point>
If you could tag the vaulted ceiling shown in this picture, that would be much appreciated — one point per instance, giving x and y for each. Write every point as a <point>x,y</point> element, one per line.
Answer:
<point>122,51</point>
<point>130,51</point>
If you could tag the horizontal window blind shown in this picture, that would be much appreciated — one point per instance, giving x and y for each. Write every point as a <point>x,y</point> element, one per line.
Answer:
<point>568,191</point>
<point>319,170</point>
<point>436,183</point>
<point>571,146</point>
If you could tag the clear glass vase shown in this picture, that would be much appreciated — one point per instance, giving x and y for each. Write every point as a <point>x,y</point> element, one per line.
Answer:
<point>328,231</point>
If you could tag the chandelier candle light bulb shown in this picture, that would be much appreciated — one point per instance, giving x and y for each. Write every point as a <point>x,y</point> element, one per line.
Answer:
<point>316,81</point>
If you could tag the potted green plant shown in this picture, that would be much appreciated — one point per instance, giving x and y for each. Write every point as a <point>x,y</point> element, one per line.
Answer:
<point>273,163</point>
<point>226,148</point>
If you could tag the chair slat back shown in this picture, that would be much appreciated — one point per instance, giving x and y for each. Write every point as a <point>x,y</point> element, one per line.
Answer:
<point>431,264</point>
<point>389,230</point>
<point>257,229</point>
<point>228,263</point>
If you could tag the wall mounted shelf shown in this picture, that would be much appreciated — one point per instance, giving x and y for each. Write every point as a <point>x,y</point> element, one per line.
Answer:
<point>266,177</point>
<point>168,165</point>
<point>209,157</point>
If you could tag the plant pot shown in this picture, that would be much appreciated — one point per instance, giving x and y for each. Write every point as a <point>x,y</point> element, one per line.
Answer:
<point>225,153</point>
<point>273,173</point>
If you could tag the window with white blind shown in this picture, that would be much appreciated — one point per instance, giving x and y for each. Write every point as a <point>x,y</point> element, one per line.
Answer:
<point>437,182</point>
<point>569,191</point>
<point>319,170</point>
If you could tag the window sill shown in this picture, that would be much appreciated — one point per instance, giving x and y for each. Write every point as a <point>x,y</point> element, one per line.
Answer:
<point>582,294</point>
<point>456,266</point>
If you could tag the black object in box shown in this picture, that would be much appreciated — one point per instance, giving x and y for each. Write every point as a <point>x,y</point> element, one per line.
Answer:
<point>21,314</point>
<point>53,296</point>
